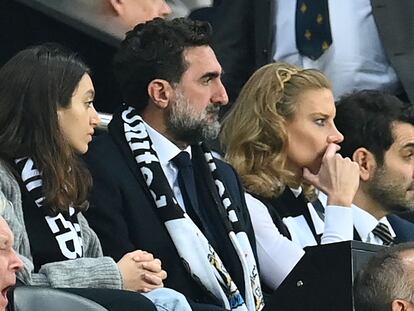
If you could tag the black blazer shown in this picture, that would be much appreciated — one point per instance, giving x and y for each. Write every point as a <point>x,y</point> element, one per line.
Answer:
<point>404,230</point>
<point>123,214</point>
<point>244,38</point>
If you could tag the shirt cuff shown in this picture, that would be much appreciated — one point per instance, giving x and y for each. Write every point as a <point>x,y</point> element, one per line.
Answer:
<point>338,224</point>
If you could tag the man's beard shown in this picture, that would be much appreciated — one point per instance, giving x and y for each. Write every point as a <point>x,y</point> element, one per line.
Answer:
<point>186,125</point>
<point>390,193</point>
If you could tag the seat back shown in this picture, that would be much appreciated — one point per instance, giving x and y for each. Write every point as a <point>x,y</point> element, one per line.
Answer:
<point>30,298</point>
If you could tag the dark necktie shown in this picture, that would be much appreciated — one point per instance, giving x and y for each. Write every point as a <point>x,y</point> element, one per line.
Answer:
<point>187,184</point>
<point>313,31</point>
<point>381,231</point>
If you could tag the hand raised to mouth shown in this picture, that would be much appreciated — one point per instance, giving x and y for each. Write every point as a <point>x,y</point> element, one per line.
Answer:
<point>338,177</point>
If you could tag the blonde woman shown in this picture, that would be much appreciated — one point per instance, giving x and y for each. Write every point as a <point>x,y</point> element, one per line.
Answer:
<point>281,138</point>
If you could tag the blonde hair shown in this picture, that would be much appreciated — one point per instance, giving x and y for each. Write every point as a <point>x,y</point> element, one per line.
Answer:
<point>254,133</point>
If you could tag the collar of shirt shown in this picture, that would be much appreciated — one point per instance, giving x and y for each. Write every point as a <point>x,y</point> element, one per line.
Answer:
<point>364,223</point>
<point>165,148</point>
<point>166,151</point>
<point>296,191</point>
<point>316,219</point>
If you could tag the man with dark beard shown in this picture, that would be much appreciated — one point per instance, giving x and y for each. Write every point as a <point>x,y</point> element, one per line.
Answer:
<point>156,185</point>
<point>379,136</point>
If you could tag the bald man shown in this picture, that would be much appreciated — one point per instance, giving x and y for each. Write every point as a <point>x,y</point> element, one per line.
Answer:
<point>125,14</point>
<point>10,263</point>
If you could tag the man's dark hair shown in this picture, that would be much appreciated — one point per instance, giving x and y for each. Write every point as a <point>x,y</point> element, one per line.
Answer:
<point>154,50</point>
<point>366,118</point>
<point>383,279</point>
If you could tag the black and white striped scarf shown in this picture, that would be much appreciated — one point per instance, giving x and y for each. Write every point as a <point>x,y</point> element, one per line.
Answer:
<point>191,244</point>
<point>64,228</point>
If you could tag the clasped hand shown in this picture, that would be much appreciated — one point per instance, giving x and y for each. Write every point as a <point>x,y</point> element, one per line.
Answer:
<point>141,272</point>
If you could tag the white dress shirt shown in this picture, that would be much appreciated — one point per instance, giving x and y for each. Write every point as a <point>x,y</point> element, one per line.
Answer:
<point>364,223</point>
<point>166,151</point>
<point>277,254</point>
<point>356,59</point>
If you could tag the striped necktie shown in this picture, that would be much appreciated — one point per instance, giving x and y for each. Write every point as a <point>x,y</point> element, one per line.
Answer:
<point>381,231</point>
<point>313,31</point>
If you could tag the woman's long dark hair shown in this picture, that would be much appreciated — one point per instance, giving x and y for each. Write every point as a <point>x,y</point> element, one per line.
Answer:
<point>33,85</point>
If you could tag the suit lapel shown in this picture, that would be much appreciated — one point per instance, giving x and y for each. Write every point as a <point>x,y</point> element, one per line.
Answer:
<point>290,206</point>
<point>208,181</point>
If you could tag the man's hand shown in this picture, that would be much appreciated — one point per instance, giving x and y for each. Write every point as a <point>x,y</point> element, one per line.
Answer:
<point>141,272</point>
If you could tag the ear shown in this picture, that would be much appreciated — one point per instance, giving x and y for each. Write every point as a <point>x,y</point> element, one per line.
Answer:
<point>366,162</point>
<point>117,6</point>
<point>160,92</point>
<point>400,305</point>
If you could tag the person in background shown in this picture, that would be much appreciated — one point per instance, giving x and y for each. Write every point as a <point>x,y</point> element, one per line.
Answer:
<point>379,136</point>
<point>47,121</point>
<point>386,283</point>
<point>123,15</point>
<point>10,263</point>
<point>282,140</point>
<point>352,42</point>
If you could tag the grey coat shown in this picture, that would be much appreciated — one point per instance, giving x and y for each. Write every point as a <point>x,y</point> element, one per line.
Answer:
<point>93,270</point>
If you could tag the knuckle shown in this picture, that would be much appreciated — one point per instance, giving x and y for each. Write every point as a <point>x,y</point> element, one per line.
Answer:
<point>128,255</point>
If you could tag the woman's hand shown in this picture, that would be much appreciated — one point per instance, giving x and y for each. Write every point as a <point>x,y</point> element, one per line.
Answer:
<point>338,177</point>
<point>141,272</point>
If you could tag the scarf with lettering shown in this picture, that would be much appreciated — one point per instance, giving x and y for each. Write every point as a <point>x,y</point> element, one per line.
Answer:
<point>203,261</point>
<point>52,238</point>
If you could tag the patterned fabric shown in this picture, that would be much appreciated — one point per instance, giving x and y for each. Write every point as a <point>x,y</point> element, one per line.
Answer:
<point>201,260</point>
<point>382,231</point>
<point>313,31</point>
<point>52,238</point>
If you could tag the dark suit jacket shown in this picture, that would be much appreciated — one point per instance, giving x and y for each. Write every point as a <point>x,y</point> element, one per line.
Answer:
<point>244,38</point>
<point>123,214</point>
<point>404,230</point>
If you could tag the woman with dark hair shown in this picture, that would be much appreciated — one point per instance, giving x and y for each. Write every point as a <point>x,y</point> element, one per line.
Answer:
<point>47,120</point>
<point>281,138</point>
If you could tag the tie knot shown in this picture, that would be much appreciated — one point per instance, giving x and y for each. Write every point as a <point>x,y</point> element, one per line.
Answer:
<point>182,160</point>
<point>383,232</point>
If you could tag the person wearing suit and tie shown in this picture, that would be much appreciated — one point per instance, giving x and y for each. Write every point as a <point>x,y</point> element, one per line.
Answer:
<point>379,136</point>
<point>157,186</point>
<point>372,46</point>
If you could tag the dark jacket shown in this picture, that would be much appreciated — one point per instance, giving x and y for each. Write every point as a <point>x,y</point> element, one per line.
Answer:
<point>123,214</point>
